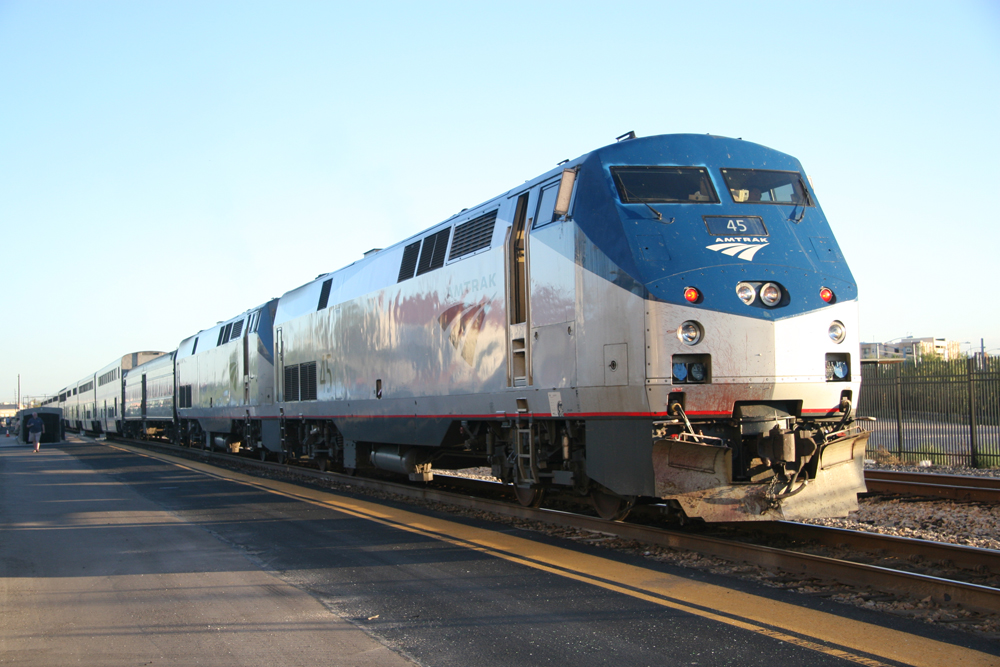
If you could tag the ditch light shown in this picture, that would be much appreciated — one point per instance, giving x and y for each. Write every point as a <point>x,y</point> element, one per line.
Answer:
<point>690,368</point>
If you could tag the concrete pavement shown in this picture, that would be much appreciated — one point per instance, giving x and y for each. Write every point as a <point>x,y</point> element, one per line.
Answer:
<point>92,573</point>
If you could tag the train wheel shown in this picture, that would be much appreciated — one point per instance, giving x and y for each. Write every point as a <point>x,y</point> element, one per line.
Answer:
<point>611,506</point>
<point>529,496</point>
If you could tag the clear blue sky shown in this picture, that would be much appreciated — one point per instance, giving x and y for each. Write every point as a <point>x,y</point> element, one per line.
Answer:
<point>168,164</point>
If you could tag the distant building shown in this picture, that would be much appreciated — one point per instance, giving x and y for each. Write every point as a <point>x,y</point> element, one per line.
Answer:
<point>8,410</point>
<point>912,348</point>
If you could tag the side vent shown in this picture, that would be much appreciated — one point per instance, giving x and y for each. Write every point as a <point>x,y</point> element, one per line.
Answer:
<point>432,255</point>
<point>225,333</point>
<point>300,382</point>
<point>237,330</point>
<point>324,295</point>
<point>307,381</point>
<point>473,235</point>
<point>292,383</point>
<point>409,261</point>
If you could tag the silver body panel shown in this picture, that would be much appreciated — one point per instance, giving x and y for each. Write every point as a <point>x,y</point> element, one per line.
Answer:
<point>149,390</point>
<point>753,359</point>
<point>108,389</point>
<point>85,404</point>
<point>228,380</point>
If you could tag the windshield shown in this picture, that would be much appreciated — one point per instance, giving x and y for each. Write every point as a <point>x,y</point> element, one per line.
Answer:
<point>643,185</point>
<point>757,186</point>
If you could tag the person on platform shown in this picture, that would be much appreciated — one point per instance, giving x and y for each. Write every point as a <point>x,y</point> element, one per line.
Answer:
<point>35,429</point>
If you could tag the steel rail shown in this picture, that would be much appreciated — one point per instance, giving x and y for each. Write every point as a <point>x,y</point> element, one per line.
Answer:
<point>952,487</point>
<point>935,478</point>
<point>965,557</point>
<point>883,579</point>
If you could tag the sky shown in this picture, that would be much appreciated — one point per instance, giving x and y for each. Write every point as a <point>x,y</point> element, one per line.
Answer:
<point>168,164</point>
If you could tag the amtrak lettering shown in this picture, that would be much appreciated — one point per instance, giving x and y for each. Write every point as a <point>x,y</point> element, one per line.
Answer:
<point>476,284</point>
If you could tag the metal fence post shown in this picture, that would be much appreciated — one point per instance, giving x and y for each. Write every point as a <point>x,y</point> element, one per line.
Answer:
<point>899,411</point>
<point>973,444</point>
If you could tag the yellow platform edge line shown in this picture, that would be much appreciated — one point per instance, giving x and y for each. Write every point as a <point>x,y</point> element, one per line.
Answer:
<point>667,590</point>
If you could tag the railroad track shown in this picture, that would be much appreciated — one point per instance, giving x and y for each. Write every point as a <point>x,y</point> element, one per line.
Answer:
<point>960,565</point>
<point>932,485</point>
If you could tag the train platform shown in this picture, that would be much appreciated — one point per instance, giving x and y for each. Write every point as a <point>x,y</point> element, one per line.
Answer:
<point>113,555</point>
<point>93,573</point>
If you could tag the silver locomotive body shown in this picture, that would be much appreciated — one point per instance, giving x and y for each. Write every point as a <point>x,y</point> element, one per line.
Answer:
<point>224,380</point>
<point>665,318</point>
<point>512,334</point>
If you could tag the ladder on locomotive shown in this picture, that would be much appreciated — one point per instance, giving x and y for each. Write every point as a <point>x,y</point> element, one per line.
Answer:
<point>526,456</point>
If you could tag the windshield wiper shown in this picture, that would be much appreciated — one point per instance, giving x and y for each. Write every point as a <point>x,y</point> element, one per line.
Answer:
<point>792,217</point>
<point>659,216</point>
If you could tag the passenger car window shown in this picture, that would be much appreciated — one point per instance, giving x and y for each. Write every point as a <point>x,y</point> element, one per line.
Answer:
<point>650,185</point>
<point>759,186</point>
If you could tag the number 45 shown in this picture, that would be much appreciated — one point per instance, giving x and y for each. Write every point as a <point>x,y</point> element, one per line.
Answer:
<point>736,226</point>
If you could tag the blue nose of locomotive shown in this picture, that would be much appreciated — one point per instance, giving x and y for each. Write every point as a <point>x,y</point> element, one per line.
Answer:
<point>675,212</point>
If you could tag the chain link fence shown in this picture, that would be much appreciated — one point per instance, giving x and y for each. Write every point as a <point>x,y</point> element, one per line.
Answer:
<point>947,412</point>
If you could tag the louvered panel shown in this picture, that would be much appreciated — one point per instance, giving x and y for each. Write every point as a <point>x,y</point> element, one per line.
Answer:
<point>440,248</point>
<point>473,235</point>
<point>292,383</point>
<point>432,255</point>
<point>409,261</point>
<point>307,381</point>
<point>237,330</point>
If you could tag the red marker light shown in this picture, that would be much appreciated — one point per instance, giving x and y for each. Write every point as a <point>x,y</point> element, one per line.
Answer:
<point>692,294</point>
<point>826,294</point>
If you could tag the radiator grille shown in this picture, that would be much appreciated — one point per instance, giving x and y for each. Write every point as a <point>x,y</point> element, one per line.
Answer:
<point>473,235</point>
<point>307,381</point>
<point>291,383</point>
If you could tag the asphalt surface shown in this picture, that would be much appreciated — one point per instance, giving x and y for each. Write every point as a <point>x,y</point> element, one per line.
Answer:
<point>94,573</point>
<point>268,579</point>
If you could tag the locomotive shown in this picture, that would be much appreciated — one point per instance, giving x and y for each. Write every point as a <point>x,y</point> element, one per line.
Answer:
<point>665,319</point>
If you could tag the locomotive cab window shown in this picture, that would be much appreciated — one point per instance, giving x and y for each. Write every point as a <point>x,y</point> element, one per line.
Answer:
<point>759,186</point>
<point>651,185</point>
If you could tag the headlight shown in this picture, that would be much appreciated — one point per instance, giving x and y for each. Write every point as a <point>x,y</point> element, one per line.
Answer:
<point>690,332</point>
<point>770,294</point>
<point>837,370</point>
<point>837,331</point>
<point>746,292</point>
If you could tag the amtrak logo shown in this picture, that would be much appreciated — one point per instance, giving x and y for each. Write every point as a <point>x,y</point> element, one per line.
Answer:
<point>463,324</point>
<point>741,247</point>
